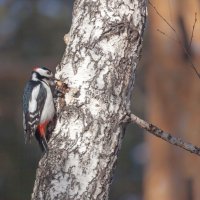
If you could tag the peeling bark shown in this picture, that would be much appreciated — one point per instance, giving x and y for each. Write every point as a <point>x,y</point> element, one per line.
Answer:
<point>101,55</point>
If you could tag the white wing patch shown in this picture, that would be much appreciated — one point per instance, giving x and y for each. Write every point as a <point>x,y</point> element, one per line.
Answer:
<point>33,100</point>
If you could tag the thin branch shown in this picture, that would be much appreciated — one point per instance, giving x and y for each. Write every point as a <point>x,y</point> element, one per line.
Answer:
<point>162,17</point>
<point>165,136</point>
<point>190,60</point>
<point>178,38</point>
<point>195,21</point>
<point>167,36</point>
<point>185,50</point>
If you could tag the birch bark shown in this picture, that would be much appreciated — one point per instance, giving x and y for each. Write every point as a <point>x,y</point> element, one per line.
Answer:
<point>101,55</point>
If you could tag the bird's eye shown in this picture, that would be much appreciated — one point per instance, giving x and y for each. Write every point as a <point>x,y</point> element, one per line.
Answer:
<point>48,72</point>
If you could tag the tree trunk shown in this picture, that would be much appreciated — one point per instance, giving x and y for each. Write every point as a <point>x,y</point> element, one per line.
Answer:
<point>100,61</point>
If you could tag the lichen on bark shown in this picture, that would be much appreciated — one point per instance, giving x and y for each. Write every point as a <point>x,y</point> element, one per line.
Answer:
<point>100,59</point>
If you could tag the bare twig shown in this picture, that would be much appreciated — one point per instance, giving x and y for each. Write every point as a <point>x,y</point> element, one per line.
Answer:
<point>190,60</point>
<point>185,50</point>
<point>178,38</point>
<point>195,21</point>
<point>163,33</point>
<point>165,136</point>
<point>162,17</point>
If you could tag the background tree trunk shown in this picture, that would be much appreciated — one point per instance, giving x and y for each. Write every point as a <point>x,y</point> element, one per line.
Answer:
<point>173,102</point>
<point>100,61</point>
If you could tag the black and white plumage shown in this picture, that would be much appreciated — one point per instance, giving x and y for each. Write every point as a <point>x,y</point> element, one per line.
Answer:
<point>38,105</point>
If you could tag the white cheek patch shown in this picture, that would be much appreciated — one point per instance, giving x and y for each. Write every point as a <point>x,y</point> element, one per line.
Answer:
<point>33,101</point>
<point>41,71</point>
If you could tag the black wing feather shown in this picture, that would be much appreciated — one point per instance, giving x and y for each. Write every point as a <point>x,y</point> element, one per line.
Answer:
<point>31,119</point>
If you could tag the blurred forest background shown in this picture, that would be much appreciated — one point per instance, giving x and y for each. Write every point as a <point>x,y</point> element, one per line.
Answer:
<point>167,93</point>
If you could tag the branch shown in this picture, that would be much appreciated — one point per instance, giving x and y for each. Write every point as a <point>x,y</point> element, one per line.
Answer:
<point>158,13</point>
<point>178,38</point>
<point>165,136</point>
<point>195,21</point>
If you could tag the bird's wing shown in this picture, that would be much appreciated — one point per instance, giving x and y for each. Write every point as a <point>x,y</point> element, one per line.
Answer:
<point>33,103</point>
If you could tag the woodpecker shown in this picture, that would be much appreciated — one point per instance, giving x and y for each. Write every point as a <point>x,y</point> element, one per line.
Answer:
<point>38,106</point>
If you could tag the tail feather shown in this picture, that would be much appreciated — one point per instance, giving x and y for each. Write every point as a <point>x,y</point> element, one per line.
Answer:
<point>42,142</point>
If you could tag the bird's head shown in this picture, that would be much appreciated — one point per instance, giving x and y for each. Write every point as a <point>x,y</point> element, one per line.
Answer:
<point>42,74</point>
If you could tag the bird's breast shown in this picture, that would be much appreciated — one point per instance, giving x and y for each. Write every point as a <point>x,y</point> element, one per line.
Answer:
<point>48,111</point>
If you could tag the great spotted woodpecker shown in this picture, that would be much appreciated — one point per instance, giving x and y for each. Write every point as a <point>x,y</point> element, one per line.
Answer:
<point>38,106</point>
